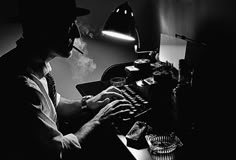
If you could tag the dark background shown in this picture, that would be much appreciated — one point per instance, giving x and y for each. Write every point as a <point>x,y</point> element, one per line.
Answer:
<point>208,21</point>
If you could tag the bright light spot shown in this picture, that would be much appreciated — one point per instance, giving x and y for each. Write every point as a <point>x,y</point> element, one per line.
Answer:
<point>118,35</point>
<point>172,49</point>
<point>117,10</point>
<point>135,48</point>
<point>140,83</point>
<point>132,14</point>
<point>125,11</point>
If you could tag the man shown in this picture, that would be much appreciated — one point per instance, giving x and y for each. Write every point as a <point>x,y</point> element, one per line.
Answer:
<point>32,112</point>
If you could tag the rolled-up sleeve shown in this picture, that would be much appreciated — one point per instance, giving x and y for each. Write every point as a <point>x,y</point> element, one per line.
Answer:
<point>71,141</point>
<point>50,138</point>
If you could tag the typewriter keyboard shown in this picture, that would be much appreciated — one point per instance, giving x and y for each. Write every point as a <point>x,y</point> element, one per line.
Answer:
<point>139,105</point>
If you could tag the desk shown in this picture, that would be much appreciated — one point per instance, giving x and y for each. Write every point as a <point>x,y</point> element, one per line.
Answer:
<point>188,151</point>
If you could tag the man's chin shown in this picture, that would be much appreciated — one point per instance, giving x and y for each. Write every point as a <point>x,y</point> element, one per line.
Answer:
<point>69,54</point>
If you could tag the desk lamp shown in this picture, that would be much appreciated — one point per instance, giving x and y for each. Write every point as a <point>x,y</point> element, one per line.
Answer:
<point>121,25</point>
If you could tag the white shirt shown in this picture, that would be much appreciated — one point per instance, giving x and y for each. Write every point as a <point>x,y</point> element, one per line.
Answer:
<point>46,114</point>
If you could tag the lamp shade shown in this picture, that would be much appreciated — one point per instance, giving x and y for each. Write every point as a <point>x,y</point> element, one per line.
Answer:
<point>121,23</point>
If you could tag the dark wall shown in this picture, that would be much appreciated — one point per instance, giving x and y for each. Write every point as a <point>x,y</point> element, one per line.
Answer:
<point>212,22</point>
<point>189,17</point>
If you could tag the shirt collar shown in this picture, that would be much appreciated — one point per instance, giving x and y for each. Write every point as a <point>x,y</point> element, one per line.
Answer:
<point>41,70</point>
<point>47,68</point>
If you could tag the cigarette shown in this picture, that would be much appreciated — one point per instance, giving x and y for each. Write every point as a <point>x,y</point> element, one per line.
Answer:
<point>77,49</point>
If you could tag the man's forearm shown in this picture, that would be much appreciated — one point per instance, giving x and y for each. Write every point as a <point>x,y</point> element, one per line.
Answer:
<point>71,112</point>
<point>86,130</point>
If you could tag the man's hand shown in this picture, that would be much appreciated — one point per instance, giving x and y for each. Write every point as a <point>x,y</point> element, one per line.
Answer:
<point>103,98</point>
<point>107,106</point>
<point>114,110</point>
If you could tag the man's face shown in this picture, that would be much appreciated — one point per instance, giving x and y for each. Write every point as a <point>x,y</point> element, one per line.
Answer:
<point>62,38</point>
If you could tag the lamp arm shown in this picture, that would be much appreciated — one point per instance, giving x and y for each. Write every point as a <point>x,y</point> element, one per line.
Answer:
<point>137,46</point>
<point>151,53</point>
<point>138,40</point>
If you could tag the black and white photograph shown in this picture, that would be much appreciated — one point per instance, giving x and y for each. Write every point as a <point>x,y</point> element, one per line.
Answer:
<point>116,79</point>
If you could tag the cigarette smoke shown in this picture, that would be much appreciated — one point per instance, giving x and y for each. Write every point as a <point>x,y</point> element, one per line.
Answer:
<point>81,65</point>
<point>87,30</point>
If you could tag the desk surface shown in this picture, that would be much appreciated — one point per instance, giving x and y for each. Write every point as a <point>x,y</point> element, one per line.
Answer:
<point>187,151</point>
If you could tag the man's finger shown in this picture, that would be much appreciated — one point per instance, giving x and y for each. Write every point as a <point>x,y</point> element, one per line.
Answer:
<point>113,95</point>
<point>122,105</point>
<point>104,102</point>
<point>113,89</point>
